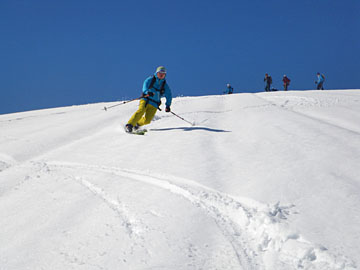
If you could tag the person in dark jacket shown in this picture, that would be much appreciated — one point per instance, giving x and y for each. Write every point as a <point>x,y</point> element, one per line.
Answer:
<point>286,82</point>
<point>154,88</point>
<point>268,82</point>
<point>320,81</point>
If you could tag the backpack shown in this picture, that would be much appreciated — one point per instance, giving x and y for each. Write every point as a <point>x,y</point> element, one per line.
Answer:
<point>322,75</point>
<point>270,79</point>
<point>162,87</point>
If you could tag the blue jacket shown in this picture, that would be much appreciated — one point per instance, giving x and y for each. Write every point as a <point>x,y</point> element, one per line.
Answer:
<point>229,90</point>
<point>155,100</point>
<point>320,79</point>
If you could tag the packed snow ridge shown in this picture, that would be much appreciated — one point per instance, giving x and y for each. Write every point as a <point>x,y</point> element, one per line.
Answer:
<point>261,181</point>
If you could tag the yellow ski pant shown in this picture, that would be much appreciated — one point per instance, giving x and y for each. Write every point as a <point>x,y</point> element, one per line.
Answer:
<point>143,115</point>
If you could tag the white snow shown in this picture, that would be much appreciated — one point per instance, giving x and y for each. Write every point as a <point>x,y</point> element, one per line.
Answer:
<point>262,181</point>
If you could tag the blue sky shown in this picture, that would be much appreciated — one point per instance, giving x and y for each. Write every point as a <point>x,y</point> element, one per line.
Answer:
<point>59,53</point>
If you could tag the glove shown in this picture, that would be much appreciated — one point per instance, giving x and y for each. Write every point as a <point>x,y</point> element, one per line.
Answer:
<point>167,109</point>
<point>151,94</point>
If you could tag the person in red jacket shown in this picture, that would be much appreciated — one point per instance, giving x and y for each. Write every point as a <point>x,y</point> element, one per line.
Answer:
<point>286,82</point>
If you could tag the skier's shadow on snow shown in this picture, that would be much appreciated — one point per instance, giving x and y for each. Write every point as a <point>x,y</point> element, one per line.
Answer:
<point>190,129</point>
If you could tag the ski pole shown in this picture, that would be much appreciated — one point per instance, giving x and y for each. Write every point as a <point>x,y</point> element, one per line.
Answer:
<point>124,102</point>
<point>191,123</point>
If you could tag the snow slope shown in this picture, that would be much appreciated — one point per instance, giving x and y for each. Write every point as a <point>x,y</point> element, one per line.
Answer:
<point>262,181</point>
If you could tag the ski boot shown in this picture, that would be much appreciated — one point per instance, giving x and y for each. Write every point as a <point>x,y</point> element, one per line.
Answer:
<point>129,128</point>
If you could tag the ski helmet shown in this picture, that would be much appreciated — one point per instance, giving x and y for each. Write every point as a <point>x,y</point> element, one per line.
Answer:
<point>161,69</point>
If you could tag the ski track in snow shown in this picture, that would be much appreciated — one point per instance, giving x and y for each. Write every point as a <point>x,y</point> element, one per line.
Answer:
<point>115,205</point>
<point>254,230</point>
<point>313,102</point>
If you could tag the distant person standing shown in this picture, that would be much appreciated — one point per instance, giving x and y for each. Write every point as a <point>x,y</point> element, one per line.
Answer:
<point>229,89</point>
<point>320,81</point>
<point>268,82</point>
<point>286,82</point>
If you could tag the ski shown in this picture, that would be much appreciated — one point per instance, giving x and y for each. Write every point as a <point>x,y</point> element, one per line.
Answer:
<point>137,132</point>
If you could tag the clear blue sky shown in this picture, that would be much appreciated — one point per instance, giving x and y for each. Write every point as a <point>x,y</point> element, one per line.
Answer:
<point>58,53</point>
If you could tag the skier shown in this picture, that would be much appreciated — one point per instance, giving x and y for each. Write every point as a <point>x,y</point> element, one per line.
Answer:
<point>154,88</point>
<point>229,89</point>
<point>268,82</point>
<point>320,81</point>
<point>286,82</point>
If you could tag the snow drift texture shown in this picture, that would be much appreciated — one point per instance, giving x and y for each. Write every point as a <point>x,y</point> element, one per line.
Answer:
<point>262,181</point>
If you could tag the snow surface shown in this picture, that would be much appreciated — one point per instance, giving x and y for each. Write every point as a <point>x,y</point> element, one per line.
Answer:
<point>262,181</point>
